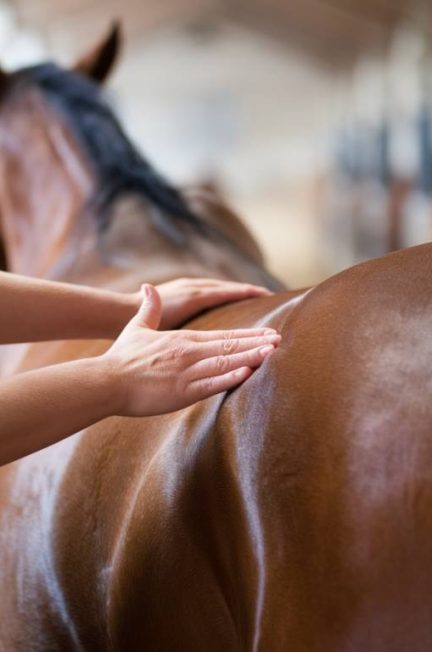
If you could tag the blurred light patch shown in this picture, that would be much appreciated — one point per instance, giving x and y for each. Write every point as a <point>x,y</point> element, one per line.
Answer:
<point>312,118</point>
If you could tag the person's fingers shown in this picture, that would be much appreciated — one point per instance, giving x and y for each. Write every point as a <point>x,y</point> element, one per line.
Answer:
<point>150,310</point>
<point>221,364</point>
<point>227,286</point>
<point>228,335</point>
<point>214,295</point>
<point>205,282</point>
<point>205,387</point>
<point>231,288</point>
<point>226,347</point>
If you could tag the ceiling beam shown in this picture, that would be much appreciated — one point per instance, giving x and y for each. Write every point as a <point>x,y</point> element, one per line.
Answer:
<point>334,31</point>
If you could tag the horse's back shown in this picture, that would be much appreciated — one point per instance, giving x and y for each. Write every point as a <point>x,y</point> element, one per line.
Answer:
<point>343,484</point>
<point>292,513</point>
<point>328,450</point>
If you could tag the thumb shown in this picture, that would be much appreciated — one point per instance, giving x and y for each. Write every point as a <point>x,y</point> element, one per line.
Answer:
<point>150,311</point>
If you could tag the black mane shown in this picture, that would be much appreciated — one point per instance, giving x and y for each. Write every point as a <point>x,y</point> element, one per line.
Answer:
<point>118,166</point>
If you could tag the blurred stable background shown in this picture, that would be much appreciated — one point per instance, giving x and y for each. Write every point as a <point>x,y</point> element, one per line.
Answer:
<point>311,117</point>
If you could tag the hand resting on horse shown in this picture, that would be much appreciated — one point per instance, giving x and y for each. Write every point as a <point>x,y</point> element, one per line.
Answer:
<point>35,310</point>
<point>186,297</point>
<point>144,372</point>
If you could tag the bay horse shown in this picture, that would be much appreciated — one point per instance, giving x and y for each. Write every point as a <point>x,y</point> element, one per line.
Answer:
<point>292,514</point>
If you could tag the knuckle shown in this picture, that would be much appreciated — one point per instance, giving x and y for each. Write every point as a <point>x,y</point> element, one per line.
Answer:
<point>230,346</point>
<point>176,353</point>
<point>221,363</point>
<point>172,349</point>
<point>180,350</point>
<point>155,362</point>
<point>208,385</point>
<point>229,342</point>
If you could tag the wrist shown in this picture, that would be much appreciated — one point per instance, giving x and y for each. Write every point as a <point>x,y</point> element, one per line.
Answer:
<point>110,374</point>
<point>103,380</point>
<point>123,308</point>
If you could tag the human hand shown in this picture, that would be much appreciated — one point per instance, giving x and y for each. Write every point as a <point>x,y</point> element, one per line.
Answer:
<point>184,298</point>
<point>156,372</point>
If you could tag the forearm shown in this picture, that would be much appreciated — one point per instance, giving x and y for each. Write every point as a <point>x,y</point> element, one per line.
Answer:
<point>33,310</point>
<point>39,408</point>
<point>143,373</point>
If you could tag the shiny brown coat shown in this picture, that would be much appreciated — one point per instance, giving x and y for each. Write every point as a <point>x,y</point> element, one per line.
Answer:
<point>292,514</point>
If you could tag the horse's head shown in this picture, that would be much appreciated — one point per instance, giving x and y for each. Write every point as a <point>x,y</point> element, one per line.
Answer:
<point>66,164</point>
<point>44,176</point>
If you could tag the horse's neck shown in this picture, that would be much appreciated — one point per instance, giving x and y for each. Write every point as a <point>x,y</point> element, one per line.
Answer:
<point>49,233</point>
<point>130,252</point>
<point>134,249</point>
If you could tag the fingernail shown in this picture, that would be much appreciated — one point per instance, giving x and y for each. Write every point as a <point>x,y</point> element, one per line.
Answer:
<point>147,291</point>
<point>239,373</point>
<point>265,350</point>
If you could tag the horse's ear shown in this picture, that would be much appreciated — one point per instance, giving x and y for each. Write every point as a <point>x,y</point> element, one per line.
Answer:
<point>97,63</point>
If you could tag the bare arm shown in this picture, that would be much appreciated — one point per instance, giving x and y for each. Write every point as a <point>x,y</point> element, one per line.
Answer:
<point>40,407</point>
<point>34,310</point>
<point>144,372</point>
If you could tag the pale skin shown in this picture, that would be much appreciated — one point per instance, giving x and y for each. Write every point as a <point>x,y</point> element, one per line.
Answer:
<point>144,372</point>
